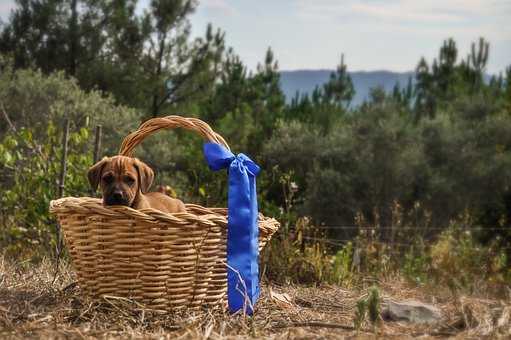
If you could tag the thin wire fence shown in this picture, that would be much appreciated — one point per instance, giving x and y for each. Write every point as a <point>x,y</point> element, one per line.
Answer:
<point>341,242</point>
<point>351,227</point>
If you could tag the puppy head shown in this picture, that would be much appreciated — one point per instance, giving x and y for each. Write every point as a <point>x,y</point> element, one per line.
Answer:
<point>121,179</point>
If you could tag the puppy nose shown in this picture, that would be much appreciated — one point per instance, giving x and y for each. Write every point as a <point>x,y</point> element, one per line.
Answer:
<point>117,195</point>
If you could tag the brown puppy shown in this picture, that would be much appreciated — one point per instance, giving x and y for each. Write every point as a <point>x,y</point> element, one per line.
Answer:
<point>125,181</point>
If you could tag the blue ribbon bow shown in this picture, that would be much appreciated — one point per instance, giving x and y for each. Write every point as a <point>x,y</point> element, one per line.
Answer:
<point>242,231</point>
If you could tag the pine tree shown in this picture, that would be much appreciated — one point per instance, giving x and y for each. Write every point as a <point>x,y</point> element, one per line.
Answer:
<point>444,69</point>
<point>231,92</point>
<point>194,73</point>
<point>331,101</point>
<point>408,93</point>
<point>507,90</point>
<point>478,61</point>
<point>146,61</point>
<point>269,100</point>
<point>425,101</point>
<point>43,34</point>
<point>169,32</point>
<point>339,90</point>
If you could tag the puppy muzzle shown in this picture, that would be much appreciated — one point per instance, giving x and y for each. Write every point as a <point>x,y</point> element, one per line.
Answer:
<point>116,198</point>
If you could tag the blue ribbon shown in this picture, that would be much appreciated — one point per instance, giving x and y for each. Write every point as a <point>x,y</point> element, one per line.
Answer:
<point>242,231</point>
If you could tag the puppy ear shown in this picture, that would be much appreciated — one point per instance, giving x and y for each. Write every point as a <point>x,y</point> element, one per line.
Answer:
<point>95,171</point>
<point>145,175</point>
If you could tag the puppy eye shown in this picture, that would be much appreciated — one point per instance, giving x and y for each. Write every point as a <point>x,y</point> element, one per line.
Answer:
<point>108,178</point>
<point>129,180</point>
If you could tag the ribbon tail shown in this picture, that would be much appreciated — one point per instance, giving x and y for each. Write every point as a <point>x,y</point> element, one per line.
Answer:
<point>242,231</point>
<point>242,241</point>
<point>254,237</point>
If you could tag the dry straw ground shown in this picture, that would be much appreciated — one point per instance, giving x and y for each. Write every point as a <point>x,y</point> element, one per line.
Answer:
<point>32,306</point>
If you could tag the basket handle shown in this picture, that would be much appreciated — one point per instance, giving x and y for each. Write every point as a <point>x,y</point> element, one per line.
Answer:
<point>170,122</point>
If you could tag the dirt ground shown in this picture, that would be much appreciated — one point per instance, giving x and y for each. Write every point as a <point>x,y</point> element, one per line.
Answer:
<point>33,306</point>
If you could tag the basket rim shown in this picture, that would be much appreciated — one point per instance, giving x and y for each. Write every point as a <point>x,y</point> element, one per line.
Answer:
<point>206,216</point>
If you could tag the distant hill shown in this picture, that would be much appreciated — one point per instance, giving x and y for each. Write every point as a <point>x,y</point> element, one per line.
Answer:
<point>305,81</point>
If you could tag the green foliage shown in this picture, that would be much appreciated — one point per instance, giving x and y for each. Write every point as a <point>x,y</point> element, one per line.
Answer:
<point>360,313</point>
<point>368,307</point>
<point>373,305</point>
<point>246,108</point>
<point>445,80</point>
<point>367,161</point>
<point>461,263</point>
<point>291,258</point>
<point>108,45</point>
<point>30,169</point>
<point>454,161</point>
<point>33,109</point>
<point>326,105</point>
<point>416,265</point>
<point>342,265</point>
<point>339,89</point>
<point>32,100</point>
<point>456,258</point>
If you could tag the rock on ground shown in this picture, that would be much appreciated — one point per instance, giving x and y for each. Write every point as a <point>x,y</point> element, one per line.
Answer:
<point>412,311</point>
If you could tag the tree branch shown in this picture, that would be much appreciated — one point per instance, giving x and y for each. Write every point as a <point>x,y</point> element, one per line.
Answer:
<point>7,119</point>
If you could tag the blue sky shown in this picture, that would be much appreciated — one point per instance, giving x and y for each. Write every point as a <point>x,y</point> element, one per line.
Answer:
<point>373,34</point>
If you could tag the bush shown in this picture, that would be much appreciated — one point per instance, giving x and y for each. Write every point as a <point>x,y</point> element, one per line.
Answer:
<point>453,162</point>
<point>33,100</point>
<point>33,108</point>
<point>30,172</point>
<point>459,261</point>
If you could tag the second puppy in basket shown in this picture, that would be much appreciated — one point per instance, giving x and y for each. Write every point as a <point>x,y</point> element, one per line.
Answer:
<point>126,181</point>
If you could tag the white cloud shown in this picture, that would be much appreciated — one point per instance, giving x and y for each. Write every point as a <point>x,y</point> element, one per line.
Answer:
<point>401,12</point>
<point>411,7</point>
<point>394,34</point>
<point>489,17</point>
<point>222,6</point>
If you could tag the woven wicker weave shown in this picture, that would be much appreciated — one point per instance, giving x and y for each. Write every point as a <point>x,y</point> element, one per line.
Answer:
<point>166,261</point>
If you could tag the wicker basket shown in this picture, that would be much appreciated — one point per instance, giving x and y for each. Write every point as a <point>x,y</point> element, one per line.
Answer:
<point>166,261</point>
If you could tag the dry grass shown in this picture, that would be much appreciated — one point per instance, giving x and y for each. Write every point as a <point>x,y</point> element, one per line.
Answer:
<point>33,306</point>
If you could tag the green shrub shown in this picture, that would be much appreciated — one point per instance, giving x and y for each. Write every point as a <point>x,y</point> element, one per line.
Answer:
<point>33,110</point>
<point>33,100</point>
<point>459,261</point>
<point>342,265</point>
<point>30,171</point>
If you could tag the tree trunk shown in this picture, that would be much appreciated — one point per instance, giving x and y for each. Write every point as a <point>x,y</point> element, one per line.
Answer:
<point>158,74</point>
<point>73,38</point>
